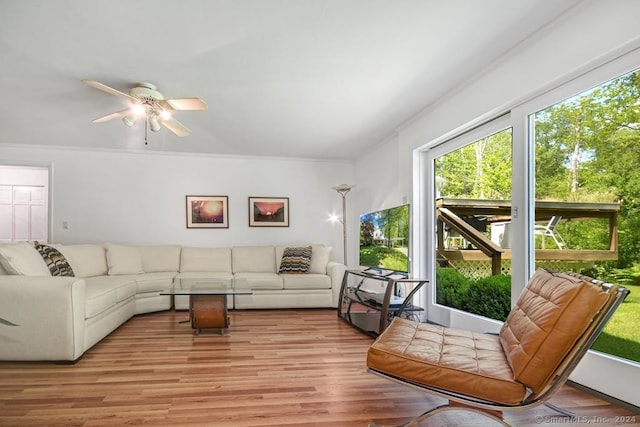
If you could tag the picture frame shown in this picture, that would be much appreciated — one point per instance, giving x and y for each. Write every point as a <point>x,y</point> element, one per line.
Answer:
<point>207,211</point>
<point>268,211</point>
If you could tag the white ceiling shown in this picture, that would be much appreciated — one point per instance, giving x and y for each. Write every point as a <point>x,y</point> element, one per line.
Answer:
<point>322,79</point>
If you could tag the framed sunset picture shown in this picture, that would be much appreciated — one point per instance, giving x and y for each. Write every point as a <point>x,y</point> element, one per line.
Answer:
<point>207,212</point>
<point>268,211</point>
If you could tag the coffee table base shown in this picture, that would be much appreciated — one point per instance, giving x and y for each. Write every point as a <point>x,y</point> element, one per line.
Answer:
<point>208,312</point>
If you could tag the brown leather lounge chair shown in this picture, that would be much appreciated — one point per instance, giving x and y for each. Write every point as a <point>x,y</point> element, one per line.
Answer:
<point>556,319</point>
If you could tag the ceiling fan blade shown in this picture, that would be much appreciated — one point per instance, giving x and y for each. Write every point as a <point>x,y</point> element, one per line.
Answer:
<point>184,104</point>
<point>108,89</point>
<point>175,126</point>
<point>112,116</point>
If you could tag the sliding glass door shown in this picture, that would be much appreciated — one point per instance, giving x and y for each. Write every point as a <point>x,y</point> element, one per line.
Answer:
<point>472,179</point>
<point>554,183</point>
<point>587,195</point>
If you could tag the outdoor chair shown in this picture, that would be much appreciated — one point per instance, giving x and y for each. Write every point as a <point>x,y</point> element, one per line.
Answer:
<point>549,230</point>
<point>555,321</point>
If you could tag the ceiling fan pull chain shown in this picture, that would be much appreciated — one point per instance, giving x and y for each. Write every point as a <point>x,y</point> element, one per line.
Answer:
<point>146,125</point>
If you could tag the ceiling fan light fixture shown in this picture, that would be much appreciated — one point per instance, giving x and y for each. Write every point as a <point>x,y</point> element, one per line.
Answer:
<point>130,120</point>
<point>154,125</point>
<point>147,102</point>
<point>138,110</point>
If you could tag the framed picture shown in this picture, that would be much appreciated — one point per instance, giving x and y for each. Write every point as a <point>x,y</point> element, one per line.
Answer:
<point>207,212</point>
<point>268,211</point>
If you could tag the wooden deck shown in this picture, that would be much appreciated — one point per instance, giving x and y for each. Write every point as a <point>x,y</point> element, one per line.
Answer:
<point>541,254</point>
<point>273,368</point>
<point>461,216</point>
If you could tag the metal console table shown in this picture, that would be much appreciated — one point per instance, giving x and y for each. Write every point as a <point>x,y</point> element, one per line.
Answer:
<point>369,299</point>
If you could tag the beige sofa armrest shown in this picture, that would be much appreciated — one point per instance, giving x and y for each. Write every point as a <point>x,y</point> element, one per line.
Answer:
<point>335,270</point>
<point>49,312</point>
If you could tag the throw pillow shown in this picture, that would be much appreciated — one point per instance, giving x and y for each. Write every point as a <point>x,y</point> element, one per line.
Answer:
<point>296,260</point>
<point>56,262</point>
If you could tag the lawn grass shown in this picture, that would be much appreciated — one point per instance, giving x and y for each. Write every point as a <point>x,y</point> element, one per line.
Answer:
<point>383,257</point>
<point>621,337</point>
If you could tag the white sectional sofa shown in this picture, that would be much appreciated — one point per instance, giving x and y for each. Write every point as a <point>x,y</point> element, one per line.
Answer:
<point>59,318</point>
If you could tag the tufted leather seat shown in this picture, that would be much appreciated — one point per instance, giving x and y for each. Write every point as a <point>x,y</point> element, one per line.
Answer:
<point>453,359</point>
<point>555,312</point>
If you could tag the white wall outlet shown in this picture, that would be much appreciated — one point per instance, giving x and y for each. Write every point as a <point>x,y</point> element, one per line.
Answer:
<point>65,225</point>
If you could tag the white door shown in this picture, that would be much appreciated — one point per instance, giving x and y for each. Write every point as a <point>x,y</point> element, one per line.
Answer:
<point>23,213</point>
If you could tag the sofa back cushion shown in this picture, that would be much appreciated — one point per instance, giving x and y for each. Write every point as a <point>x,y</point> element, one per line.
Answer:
<point>160,258</point>
<point>123,259</point>
<point>22,259</point>
<point>551,315</point>
<point>86,260</point>
<point>320,257</point>
<point>205,259</point>
<point>254,259</point>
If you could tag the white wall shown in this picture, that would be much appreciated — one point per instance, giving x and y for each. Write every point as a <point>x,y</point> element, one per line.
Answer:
<point>113,196</point>
<point>377,187</point>
<point>25,175</point>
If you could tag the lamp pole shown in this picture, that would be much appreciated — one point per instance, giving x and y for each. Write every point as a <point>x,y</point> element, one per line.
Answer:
<point>343,189</point>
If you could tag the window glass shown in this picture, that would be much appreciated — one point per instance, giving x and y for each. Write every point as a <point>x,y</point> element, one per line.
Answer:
<point>472,216</point>
<point>587,196</point>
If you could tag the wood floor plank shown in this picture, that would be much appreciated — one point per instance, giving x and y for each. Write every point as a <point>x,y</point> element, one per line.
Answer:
<point>273,368</point>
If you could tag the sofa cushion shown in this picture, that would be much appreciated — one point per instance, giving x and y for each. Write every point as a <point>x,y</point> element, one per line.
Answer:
<point>56,262</point>
<point>258,281</point>
<point>123,259</point>
<point>22,259</point>
<point>103,292</point>
<point>254,259</point>
<point>86,260</point>
<point>306,281</point>
<point>189,278</point>
<point>205,259</point>
<point>160,258</point>
<point>295,260</point>
<point>320,257</point>
<point>154,282</point>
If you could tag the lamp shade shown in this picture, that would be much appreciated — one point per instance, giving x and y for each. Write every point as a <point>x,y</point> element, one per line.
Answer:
<point>154,125</point>
<point>130,120</point>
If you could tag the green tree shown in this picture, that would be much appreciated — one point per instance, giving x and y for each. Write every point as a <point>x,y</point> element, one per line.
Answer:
<point>481,170</point>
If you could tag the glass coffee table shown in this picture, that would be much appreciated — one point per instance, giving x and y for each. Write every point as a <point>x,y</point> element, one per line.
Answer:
<point>207,304</point>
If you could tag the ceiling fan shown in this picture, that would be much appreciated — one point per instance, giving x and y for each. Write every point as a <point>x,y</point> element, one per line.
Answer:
<point>149,104</point>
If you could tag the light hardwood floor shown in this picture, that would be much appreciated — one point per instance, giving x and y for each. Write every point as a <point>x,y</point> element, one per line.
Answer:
<point>273,368</point>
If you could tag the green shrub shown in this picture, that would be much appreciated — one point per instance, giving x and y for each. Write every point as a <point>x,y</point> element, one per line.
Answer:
<point>490,297</point>
<point>452,287</point>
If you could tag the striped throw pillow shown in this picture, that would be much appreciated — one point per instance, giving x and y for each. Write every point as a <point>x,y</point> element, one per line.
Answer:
<point>57,263</point>
<point>296,260</point>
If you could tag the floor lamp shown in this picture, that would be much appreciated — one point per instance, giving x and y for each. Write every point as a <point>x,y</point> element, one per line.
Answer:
<point>343,189</point>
